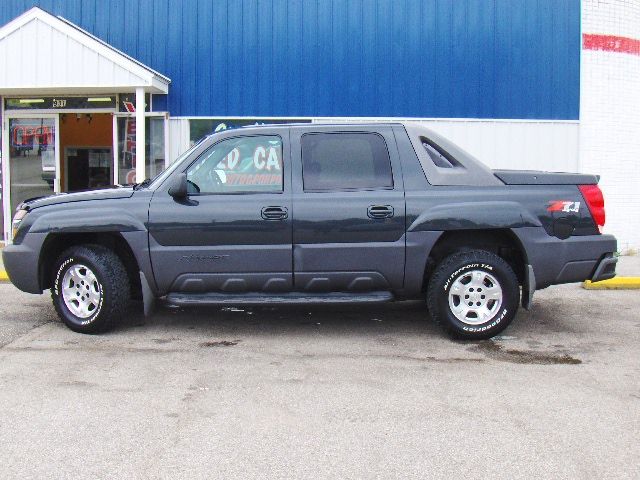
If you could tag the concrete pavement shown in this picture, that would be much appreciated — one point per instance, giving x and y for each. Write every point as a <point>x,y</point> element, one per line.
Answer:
<point>375,392</point>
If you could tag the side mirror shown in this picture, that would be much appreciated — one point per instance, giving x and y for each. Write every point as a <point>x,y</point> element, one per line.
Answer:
<point>178,188</point>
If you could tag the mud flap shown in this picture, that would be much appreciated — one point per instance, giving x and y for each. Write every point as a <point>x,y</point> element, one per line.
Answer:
<point>148,298</point>
<point>528,287</point>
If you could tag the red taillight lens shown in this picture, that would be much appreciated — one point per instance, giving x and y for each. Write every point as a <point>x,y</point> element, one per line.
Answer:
<point>595,201</point>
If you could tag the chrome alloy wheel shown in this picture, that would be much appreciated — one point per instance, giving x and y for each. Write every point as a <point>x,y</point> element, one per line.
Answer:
<point>81,291</point>
<point>475,297</point>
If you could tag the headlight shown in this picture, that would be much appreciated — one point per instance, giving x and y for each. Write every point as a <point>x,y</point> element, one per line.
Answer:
<point>17,218</point>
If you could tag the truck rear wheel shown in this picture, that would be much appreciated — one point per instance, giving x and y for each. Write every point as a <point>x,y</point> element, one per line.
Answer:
<point>474,295</point>
<point>90,288</point>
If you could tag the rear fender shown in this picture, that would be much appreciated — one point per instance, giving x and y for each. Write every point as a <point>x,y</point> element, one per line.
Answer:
<point>474,216</point>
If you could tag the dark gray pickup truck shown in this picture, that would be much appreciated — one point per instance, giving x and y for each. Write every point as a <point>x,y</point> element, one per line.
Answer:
<point>316,214</point>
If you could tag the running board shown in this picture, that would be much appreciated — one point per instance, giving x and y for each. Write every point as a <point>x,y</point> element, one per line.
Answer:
<point>293,298</point>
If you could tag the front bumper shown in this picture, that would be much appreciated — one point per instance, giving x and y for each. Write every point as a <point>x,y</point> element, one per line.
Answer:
<point>21,263</point>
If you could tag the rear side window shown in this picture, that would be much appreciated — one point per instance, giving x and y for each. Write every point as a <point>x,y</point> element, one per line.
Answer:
<point>438,156</point>
<point>345,161</point>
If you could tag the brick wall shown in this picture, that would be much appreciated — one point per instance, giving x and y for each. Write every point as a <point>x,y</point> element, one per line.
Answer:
<point>610,111</point>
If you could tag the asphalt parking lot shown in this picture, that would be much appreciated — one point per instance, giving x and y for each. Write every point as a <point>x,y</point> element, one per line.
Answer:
<point>323,392</point>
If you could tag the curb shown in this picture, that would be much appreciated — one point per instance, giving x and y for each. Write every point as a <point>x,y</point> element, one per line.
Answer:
<point>3,276</point>
<point>616,283</point>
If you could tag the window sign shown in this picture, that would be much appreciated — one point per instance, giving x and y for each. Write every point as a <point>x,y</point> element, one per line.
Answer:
<point>32,158</point>
<point>127,102</point>
<point>154,148</point>
<point>126,150</point>
<point>237,165</point>
<point>201,127</point>
<point>61,103</point>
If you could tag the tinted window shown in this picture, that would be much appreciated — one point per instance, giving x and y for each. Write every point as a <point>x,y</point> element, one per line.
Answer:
<point>246,164</point>
<point>342,161</point>
<point>438,156</point>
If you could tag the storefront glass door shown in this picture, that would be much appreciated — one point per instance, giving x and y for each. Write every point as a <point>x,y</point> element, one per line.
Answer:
<point>31,144</point>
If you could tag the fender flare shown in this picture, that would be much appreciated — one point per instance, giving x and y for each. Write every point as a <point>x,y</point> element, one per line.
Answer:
<point>474,216</point>
<point>75,220</point>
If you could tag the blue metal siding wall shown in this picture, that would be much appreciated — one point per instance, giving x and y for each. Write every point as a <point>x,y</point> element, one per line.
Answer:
<point>414,58</point>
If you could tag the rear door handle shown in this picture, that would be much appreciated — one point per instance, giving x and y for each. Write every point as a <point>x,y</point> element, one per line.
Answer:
<point>380,211</point>
<point>274,213</point>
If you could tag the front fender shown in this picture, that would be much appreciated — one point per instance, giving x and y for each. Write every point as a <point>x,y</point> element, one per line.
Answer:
<point>79,218</point>
<point>125,217</point>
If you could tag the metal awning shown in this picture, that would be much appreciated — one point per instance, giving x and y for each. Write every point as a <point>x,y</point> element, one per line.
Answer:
<point>44,54</point>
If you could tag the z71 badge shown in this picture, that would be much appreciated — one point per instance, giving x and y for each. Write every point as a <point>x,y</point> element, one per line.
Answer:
<point>563,206</point>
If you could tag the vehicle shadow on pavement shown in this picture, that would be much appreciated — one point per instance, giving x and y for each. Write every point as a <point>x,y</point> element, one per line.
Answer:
<point>396,327</point>
<point>405,317</point>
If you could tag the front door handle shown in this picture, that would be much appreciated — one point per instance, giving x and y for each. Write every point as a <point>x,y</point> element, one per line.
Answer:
<point>380,211</point>
<point>274,213</point>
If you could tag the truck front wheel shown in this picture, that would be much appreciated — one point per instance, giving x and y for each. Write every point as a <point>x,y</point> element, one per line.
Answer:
<point>474,295</point>
<point>90,288</point>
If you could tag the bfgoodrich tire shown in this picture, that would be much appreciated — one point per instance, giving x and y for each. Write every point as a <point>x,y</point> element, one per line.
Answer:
<point>474,295</point>
<point>90,288</point>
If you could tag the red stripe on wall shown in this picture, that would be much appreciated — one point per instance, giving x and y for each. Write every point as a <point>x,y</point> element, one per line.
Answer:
<point>610,43</point>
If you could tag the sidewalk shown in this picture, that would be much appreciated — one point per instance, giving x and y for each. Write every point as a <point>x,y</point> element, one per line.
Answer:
<point>627,276</point>
<point>628,266</point>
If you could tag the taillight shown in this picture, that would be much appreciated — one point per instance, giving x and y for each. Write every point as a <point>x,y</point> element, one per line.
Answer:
<point>595,201</point>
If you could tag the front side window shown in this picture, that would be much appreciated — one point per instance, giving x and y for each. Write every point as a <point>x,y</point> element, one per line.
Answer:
<point>345,161</point>
<point>239,165</point>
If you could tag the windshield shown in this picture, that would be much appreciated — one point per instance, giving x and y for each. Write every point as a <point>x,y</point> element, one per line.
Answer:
<point>165,173</point>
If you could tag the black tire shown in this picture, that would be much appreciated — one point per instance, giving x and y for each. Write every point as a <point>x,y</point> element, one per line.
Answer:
<point>456,269</point>
<point>111,288</point>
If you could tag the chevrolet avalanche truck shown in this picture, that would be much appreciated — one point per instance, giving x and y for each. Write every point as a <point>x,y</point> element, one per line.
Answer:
<point>292,214</point>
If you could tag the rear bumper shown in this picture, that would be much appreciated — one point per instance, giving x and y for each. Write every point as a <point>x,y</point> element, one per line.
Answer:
<point>575,259</point>
<point>21,263</point>
<point>605,269</point>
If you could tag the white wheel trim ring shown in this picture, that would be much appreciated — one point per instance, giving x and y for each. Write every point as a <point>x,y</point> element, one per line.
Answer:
<point>476,293</point>
<point>81,291</point>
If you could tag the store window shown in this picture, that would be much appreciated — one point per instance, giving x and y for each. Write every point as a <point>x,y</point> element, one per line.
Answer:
<point>154,144</point>
<point>201,127</point>
<point>32,143</point>
<point>1,198</point>
<point>239,165</point>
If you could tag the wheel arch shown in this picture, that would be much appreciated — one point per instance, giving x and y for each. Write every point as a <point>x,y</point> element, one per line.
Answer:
<point>56,243</point>
<point>503,242</point>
